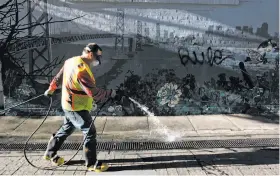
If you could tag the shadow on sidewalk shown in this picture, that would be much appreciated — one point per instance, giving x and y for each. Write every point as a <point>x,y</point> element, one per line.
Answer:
<point>257,157</point>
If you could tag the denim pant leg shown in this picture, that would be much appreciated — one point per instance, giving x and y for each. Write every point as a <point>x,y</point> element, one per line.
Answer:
<point>82,121</point>
<point>57,139</point>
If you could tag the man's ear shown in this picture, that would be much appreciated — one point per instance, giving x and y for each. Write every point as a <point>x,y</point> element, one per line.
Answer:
<point>91,54</point>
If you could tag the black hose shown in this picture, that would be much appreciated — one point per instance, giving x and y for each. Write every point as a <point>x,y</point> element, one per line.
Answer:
<point>3,111</point>
<point>55,167</point>
<point>46,116</point>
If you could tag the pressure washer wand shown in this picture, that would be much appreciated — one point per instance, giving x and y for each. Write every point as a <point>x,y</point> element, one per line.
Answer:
<point>3,111</point>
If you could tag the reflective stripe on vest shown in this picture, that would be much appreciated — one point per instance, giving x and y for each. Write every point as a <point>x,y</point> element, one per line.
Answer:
<point>73,96</point>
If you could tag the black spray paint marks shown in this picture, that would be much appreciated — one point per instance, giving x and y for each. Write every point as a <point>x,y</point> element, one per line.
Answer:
<point>212,57</point>
<point>246,76</point>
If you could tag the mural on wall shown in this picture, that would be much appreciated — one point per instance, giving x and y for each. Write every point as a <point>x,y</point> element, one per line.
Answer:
<point>175,61</point>
<point>166,94</point>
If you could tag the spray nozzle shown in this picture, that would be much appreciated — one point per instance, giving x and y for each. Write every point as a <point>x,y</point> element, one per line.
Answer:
<point>119,95</point>
<point>123,99</point>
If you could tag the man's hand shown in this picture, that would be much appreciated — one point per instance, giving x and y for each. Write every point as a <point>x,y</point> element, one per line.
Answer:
<point>48,93</point>
<point>113,94</point>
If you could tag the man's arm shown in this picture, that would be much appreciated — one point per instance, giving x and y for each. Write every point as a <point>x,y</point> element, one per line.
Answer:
<point>88,85</point>
<point>56,80</point>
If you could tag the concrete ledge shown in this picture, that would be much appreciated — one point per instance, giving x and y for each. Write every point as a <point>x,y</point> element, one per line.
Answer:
<point>217,122</point>
<point>126,124</point>
<point>147,128</point>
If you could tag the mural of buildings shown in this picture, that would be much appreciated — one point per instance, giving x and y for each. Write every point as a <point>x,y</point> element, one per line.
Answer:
<point>263,30</point>
<point>260,31</point>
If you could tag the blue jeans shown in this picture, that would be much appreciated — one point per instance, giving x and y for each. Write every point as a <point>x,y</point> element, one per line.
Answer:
<point>72,120</point>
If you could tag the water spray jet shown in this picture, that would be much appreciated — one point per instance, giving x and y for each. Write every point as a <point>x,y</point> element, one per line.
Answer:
<point>170,136</point>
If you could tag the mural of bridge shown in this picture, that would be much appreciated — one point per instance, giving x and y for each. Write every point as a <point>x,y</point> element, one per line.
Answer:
<point>40,42</point>
<point>183,61</point>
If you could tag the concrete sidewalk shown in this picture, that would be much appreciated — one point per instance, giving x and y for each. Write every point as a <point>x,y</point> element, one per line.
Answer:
<point>133,128</point>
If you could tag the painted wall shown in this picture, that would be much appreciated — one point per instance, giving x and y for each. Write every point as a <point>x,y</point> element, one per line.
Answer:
<point>200,61</point>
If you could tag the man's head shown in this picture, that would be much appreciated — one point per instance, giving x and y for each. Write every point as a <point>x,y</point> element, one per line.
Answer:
<point>93,53</point>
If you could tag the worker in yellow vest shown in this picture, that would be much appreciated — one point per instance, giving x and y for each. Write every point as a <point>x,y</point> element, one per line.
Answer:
<point>79,92</point>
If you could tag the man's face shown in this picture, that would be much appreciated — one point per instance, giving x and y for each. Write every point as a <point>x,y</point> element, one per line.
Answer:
<point>96,59</point>
<point>92,56</point>
<point>99,53</point>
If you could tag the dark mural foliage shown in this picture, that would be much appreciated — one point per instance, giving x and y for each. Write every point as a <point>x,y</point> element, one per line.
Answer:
<point>160,91</point>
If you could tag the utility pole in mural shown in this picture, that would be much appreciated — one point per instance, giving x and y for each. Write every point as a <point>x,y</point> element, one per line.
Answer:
<point>157,33</point>
<point>119,41</point>
<point>36,53</point>
<point>147,35</point>
<point>139,36</point>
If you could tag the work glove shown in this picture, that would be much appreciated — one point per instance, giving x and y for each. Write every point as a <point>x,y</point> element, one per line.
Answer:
<point>48,93</point>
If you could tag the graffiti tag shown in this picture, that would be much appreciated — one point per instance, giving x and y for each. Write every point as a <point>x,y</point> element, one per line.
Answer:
<point>216,57</point>
<point>255,55</point>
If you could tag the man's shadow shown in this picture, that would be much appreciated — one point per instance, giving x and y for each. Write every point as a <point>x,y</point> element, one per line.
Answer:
<point>257,157</point>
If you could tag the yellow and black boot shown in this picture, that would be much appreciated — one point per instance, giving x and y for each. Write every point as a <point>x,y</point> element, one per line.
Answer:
<point>98,167</point>
<point>56,160</point>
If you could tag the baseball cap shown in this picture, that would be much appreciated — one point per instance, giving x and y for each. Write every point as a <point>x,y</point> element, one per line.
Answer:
<point>93,47</point>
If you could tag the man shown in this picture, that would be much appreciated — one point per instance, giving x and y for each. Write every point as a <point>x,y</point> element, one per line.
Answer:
<point>78,93</point>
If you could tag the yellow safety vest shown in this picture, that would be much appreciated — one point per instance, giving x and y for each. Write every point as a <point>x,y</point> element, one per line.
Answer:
<point>73,96</point>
